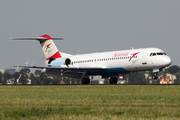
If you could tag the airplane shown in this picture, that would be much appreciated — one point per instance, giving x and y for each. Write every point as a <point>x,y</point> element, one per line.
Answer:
<point>107,64</point>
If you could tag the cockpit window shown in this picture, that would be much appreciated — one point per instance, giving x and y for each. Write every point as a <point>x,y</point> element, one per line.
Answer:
<point>159,53</point>
<point>152,54</point>
<point>164,53</point>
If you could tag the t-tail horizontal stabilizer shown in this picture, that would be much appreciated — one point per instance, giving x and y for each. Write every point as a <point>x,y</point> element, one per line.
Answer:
<point>38,38</point>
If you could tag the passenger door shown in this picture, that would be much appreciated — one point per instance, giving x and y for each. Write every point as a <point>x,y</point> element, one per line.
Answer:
<point>144,61</point>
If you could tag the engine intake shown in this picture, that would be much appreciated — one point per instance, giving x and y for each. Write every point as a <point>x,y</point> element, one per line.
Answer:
<point>67,62</point>
<point>59,62</point>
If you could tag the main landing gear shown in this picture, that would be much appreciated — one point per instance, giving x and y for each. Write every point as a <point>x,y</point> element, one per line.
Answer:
<point>85,80</point>
<point>113,80</point>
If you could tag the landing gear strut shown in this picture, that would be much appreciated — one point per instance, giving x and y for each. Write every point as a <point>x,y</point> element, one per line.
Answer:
<point>85,80</point>
<point>155,76</point>
<point>113,80</point>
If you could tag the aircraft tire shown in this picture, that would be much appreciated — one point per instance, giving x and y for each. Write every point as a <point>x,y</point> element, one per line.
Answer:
<point>113,80</point>
<point>85,80</point>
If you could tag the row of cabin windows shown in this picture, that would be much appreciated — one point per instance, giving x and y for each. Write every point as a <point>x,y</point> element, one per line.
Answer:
<point>104,59</point>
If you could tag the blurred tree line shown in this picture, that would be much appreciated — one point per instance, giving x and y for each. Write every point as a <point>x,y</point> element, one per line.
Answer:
<point>40,78</point>
<point>37,78</point>
<point>139,78</point>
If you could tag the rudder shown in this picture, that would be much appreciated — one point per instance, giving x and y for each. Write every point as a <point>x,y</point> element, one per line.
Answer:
<point>49,48</point>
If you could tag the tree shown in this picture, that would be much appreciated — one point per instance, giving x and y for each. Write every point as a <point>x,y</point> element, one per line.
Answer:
<point>137,78</point>
<point>40,78</point>
<point>23,79</point>
<point>173,69</point>
<point>44,79</point>
<point>1,76</point>
<point>7,77</point>
<point>16,76</point>
<point>24,71</point>
<point>33,79</point>
<point>37,73</point>
<point>177,81</point>
<point>25,75</point>
<point>56,80</point>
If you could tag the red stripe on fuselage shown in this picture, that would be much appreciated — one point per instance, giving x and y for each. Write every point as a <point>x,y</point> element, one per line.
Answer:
<point>134,54</point>
<point>55,56</point>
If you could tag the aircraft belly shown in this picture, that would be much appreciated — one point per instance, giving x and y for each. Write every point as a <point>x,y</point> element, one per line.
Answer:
<point>109,71</point>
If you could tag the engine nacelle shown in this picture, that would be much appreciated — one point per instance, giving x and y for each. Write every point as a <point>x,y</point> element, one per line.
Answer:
<point>59,62</point>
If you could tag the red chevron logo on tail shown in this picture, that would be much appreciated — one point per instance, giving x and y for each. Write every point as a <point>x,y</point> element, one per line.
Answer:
<point>47,46</point>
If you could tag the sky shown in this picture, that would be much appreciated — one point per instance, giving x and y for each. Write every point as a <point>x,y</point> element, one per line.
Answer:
<point>87,26</point>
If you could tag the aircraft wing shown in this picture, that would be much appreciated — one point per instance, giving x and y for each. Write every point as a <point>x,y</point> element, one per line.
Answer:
<point>64,68</point>
<point>76,72</point>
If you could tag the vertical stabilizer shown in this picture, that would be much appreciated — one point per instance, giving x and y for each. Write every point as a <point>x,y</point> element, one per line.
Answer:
<point>49,48</point>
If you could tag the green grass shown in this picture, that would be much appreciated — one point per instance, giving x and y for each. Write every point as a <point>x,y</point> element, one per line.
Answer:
<point>90,102</point>
<point>82,113</point>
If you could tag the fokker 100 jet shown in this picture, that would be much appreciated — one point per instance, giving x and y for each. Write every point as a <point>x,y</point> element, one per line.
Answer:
<point>106,64</point>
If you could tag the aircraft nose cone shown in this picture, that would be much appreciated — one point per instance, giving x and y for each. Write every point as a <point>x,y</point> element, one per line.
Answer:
<point>167,61</point>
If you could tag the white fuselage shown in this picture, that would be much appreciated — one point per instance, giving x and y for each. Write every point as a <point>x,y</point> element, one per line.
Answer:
<point>120,61</point>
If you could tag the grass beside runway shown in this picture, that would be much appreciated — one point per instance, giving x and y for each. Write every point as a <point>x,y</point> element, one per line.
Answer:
<point>90,102</point>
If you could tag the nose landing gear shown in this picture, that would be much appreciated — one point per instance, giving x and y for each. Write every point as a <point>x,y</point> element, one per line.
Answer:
<point>155,76</point>
<point>155,71</point>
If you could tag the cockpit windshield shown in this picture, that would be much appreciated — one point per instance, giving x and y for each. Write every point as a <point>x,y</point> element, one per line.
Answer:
<point>164,53</point>
<point>153,54</point>
<point>159,53</point>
